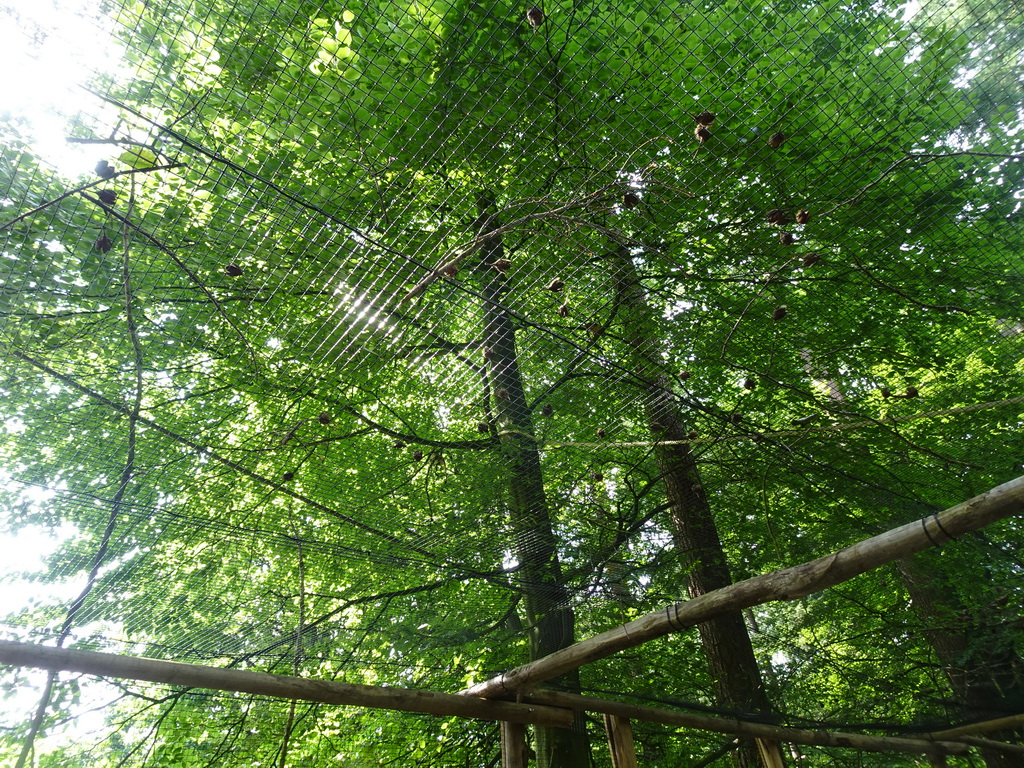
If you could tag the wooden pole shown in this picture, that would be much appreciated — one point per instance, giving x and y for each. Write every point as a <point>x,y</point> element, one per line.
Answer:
<point>771,755</point>
<point>784,584</point>
<point>1013,721</point>
<point>514,753</point>
<point>1000,746</point>
<point>743,728</point>
<point>295,688</point>
<point>620,741</point>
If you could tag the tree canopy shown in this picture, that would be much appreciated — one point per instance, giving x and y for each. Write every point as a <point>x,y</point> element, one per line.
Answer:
<point>363,352</point>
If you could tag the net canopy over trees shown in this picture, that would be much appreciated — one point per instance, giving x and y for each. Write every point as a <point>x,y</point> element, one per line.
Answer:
<point>403,343</point>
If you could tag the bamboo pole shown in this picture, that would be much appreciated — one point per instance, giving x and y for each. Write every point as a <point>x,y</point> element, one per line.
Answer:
<point>771,755</point>
<point>280,686</point>
<point>743,728</point>
<point>784,584</point>
<point>620,741</point>
<point>1012,721</point>
<point>1000,746</point>
<point>514,753</point>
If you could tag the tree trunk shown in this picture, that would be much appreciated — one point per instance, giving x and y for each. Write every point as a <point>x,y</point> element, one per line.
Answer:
<point>730,656</point>
<point>984,670</point>
<point>545,598</point>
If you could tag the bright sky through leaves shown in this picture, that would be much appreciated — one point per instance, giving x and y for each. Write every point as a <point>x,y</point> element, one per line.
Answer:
<point>47,50</point>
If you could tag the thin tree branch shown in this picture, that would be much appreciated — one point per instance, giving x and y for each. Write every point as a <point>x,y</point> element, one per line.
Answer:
<point>82,188</point>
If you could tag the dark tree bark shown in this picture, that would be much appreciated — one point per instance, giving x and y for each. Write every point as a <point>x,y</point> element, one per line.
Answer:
<point>726,643</point>
<point>545,598</point>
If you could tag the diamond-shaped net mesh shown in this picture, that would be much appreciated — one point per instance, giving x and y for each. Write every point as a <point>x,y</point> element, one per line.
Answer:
<point>345,341</point>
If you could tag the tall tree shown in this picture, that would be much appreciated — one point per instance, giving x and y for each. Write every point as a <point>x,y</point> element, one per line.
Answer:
<point>313,492</point>
<point>725,640</point>
<point>545,597</point>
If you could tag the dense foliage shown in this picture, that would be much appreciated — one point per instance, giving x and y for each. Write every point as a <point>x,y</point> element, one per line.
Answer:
<point>263,418</point>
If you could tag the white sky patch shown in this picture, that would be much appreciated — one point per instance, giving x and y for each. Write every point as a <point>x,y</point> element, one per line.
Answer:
<point>910,10</point>
<point>23,566</point>
<point>24,584</point>
<point>47,49</point>
<point>23,569</point>
<point>780,659</point>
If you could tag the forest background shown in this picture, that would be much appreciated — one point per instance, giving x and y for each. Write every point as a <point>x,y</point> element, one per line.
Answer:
<point>402,343</point>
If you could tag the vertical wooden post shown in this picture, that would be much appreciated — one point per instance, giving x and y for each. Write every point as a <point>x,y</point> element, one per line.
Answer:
<point>620,741</point>
<point>513,745</point>
<point>771,755</point>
